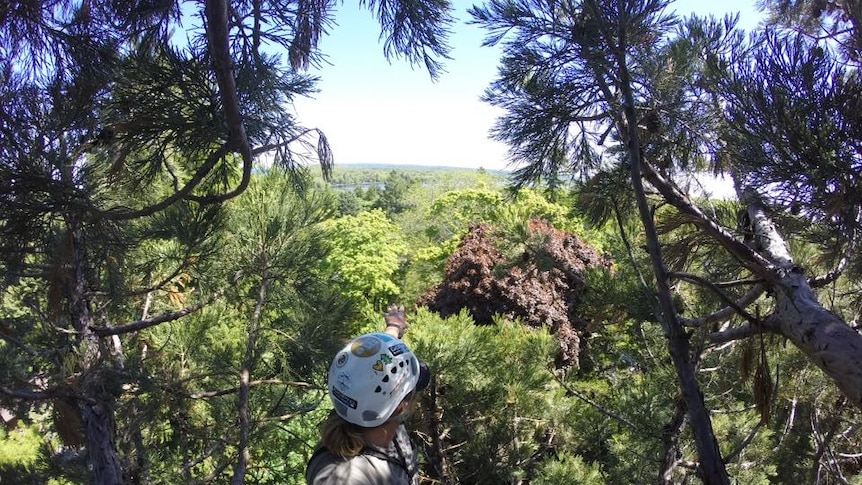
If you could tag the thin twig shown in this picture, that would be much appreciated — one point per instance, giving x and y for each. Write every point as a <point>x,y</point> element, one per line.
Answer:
<point>165,317</point>
<point>691,278</point>
<point>598,407</point>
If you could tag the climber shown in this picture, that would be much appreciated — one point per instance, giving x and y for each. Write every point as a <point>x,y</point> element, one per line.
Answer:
<point>373,382</point>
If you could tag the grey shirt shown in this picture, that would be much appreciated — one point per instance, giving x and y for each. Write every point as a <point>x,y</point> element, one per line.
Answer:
<point>393,465</point>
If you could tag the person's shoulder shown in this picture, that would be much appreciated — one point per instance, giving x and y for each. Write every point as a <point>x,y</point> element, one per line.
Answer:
<point>321,467</point>
<point>326,468</point>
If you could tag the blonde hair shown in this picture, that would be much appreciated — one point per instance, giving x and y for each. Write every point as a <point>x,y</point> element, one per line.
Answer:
<point>340,437</point>
<point>345,439</point>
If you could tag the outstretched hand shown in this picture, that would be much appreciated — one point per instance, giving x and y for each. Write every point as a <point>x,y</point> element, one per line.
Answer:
<point>396,320</point>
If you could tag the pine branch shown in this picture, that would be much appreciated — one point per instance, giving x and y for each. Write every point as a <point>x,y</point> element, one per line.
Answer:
<point>217,33</point>
<point>725,313</point>
<point>598,407</point>
<point>234,390</point>
<point>715,289</point>
<point>166,317</point>
<point>44,395</point>
<point>119,214</point>
<point>17,343</point>
<point>739,333</point>
<point>745,254</point>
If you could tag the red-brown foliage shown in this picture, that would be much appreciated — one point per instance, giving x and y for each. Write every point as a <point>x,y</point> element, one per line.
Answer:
<point>541,287</point>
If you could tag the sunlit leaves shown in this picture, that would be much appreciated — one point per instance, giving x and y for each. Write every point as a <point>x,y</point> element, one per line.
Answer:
<point>365,253</point>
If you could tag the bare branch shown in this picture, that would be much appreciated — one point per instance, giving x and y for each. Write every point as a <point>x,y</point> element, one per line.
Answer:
<point>274,146</point>
<point>747,441</point>
<point>185,192</point>
<point>157,286</point>
<point>628,246</point>
<point>715,289</point>
<point>732,283</point>
<point>234,390</point>
<point>165,317</point>
<point>748,256</point>
<point>218,447</point>
<point>726,312</point>
<point>821,281</point>
<point>43,395</point>
<point>598,407</point>
<point>738,333</point>
<point>17,343</point>
<point>289,416</point>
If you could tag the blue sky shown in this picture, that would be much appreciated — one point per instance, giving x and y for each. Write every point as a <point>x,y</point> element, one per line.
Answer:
<point>374,111</point>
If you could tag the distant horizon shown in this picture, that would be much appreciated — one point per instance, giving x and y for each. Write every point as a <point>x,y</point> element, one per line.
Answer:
<point>717,187</point>
<point>416,166</point>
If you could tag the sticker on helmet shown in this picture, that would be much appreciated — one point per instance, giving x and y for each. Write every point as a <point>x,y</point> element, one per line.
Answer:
<point>365,346</point>
<point>344,381</point>
<point>341,360</point>
<point>397,349</point>
<point>347,400</point>
<point>385,358</point>
<point>378,366</point>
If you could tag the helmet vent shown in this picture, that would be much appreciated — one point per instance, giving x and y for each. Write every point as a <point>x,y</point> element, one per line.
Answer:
<point>386,378</point>
<point>394,369</point>
<point>378,389</point>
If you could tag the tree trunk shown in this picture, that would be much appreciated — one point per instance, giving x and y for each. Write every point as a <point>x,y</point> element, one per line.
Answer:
<point>100,428</point>
<point>711,465</point>
<point>437,459</point>
<point>243,408</point>
<point>823,336</point>
<point>670,443</point>
<point>97,400</point>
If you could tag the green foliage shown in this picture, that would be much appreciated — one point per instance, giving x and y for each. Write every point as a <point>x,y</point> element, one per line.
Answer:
<point>269,323</point>
<point>454,211</point>
<point>505,414</point>
<point>742,432</point>
<point>349,204</point>
<point>393,198</point>
<point>129,141</point>
<point>365,253</point>
<point>20,448</point>
<point>497,396</point>
<point>566,469</point>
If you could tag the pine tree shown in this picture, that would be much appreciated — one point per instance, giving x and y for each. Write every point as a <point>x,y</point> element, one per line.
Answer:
<point>125,126</point>
<point>638,99</point>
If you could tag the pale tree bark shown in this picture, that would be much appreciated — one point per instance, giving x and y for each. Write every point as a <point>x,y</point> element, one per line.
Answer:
<point>824,337</point>
<point>820,334</point>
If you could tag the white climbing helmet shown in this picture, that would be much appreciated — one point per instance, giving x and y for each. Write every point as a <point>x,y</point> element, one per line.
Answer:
<point>370,377</point>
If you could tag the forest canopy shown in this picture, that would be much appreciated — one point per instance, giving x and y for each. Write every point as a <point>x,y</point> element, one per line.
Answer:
<point>181,256</point>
